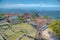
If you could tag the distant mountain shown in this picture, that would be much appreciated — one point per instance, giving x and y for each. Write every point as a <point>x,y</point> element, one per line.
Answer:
<point>55,14</point>
<point>29,9</point>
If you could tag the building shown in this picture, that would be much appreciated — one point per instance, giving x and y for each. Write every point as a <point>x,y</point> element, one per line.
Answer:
<point>11,17</point>
<point>26,15</point>
<point>41,21</point>
<point>49,21</point>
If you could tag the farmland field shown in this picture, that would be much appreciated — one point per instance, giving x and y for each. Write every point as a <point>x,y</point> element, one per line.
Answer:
<point>17,30</point>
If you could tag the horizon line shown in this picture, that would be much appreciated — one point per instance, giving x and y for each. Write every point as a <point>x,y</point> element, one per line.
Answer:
<point>26,5</point>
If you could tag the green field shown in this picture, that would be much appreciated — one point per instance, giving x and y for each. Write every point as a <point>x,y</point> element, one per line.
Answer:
<point>26,38</point>
<point>17,30</point>
<point>15,36</point>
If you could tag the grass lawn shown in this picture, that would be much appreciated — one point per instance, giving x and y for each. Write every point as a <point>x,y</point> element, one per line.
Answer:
<point>23,27</point>
<point>26,38</point>
<point>5,26</point>
<point>8,32</point>
<point>15,36</point>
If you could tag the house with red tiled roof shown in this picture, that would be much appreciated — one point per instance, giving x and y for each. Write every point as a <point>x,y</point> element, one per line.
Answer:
<point>26,15</point>
<point>9,15</point>
<point>41,21</point>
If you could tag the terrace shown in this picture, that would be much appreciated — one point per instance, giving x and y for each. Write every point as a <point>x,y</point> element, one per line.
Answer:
<point>17,30</point>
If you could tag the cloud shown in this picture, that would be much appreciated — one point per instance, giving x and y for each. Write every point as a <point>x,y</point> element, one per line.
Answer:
<point>19,5</point>
<point>26,5</point>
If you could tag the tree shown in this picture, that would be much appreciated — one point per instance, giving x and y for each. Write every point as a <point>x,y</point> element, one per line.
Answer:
<point>2,16</point>
<point>44,17</point>
<point>55,26</point>
<point>21,18</point>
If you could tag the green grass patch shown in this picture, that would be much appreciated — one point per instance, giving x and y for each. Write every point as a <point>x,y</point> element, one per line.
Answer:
<point>15,36</point>
<point>25,27</point>
<point>9,32</point>
<point>26,38</point>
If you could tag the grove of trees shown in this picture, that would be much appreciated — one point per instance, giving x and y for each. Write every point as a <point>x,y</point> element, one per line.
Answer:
<point>55,27</point>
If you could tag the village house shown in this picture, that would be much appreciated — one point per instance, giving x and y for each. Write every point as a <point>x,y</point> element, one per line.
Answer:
<point>11,18</point>
<point>9,15</point>
<point>27,17</point>
<point>41,21</point>
<point>49,21</point>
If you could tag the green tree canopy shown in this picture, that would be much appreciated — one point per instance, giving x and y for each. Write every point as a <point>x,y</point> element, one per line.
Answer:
<point>20,18</point>
<point>2,16</point>
<point>55,26</point>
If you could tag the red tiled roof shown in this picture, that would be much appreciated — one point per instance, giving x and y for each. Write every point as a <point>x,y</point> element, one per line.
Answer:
<point>8,15</point>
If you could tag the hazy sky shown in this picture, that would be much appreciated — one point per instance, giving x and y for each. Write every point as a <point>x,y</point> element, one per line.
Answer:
<point>29,3</point>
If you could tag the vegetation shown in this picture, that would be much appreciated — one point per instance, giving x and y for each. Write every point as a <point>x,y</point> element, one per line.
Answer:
<point>21,29</point>
<point>17,30</point>
<point>55,26</point>
<point>20,18</point>
<point>15,36</point>
<point>8,32</point>
<point>44,17</point>
<point>2,16</point>
<point>26,38</point>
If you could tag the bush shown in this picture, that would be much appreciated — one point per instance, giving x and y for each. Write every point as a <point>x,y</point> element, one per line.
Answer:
<point>55,26</point>
<point>20,18</point>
